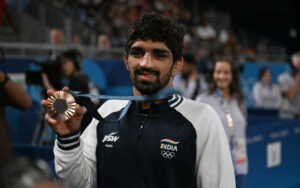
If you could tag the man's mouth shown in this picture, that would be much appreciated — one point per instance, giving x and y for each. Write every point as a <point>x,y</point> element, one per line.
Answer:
<point>146,75</point>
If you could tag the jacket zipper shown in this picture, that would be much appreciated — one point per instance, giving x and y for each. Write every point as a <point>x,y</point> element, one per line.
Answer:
<point>140,131</point>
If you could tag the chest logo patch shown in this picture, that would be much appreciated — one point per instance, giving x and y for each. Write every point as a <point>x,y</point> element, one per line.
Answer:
<point>111,137</point>
<point>168,148</point>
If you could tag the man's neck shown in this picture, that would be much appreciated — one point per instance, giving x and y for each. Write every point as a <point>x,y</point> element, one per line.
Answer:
<point>144,105</point>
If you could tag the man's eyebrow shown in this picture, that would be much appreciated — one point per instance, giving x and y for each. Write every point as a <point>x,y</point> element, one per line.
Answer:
<point>135,48</point>
<point>163,51</point>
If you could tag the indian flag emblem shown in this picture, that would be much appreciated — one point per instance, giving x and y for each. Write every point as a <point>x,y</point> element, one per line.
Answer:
<point>169,141</point>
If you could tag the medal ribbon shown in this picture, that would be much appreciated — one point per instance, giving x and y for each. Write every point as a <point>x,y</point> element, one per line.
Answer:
<point>163,93</point>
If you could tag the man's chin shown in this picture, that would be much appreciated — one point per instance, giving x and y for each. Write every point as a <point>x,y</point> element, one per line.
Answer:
<point>147,89</point>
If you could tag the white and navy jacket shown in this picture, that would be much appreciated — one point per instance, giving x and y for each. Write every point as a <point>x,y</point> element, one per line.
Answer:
<point>180,144</point>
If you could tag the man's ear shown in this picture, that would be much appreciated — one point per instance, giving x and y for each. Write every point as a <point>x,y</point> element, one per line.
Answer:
<point>177,66</point>
<point>125,58</point>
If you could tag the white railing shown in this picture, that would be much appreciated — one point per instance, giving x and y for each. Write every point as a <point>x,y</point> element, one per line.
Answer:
<point>33,50</point>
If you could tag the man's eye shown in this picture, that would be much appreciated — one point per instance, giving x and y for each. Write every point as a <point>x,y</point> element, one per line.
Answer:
<point>161,55</point>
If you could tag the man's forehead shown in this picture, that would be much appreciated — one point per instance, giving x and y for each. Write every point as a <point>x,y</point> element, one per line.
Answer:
<point>150,44</point>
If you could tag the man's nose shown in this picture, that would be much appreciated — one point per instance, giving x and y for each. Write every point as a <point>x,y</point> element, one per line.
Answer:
<point>146,61</point>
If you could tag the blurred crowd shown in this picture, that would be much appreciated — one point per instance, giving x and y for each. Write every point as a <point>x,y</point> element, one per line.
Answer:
<point>111,20</point>
<point>282,95</point>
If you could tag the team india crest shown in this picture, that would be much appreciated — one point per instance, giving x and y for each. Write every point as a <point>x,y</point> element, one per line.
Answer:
<point>168,148</point>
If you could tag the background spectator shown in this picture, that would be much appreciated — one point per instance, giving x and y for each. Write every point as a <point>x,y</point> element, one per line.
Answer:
<point>74,78</point>
<point>6,13</point>
<point>205,31</point>
<point>290,87</point>
<point>189,82</point>
<point>103,42</point>
<point>266,94</point>
<point>72,75</point>
<point>226,98</point>
<point>56,38</point>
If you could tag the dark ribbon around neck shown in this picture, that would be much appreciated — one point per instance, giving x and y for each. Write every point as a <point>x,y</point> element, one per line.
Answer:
<point>83,99</point>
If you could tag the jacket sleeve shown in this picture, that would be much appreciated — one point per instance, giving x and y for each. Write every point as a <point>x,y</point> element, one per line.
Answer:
<point>214,167</point>
<point>75,158</point>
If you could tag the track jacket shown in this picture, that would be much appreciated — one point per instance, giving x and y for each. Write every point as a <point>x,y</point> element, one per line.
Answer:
<point>180,143</point>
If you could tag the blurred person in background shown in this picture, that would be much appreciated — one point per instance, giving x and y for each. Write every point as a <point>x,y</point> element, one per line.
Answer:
<point>289,84</point>
<point>6,13</point>
<point>23,172</point>
<point>206,31</point>
<point>103,42</point>
<point>73,77</point>
<point>226,98</point>
<point>265,93</point>
<point>11,94</point>
<point>189,83</point>
<point>56,37</point>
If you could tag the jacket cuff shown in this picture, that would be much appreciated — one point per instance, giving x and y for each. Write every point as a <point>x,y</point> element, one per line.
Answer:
<point>69,141</point>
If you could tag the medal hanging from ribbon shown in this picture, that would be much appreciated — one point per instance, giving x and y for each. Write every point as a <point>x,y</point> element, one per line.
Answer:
<point>62,104</point>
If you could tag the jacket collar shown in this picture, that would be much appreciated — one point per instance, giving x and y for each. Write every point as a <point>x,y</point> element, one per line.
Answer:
<point>166,105</point>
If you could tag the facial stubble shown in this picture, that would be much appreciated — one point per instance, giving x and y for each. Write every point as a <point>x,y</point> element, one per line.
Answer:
<point>149,88</point>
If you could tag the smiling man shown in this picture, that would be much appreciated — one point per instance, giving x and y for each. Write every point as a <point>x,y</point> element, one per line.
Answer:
<point>169,143</point>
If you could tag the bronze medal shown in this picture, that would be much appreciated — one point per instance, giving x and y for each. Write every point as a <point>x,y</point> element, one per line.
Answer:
<point>61,105</point>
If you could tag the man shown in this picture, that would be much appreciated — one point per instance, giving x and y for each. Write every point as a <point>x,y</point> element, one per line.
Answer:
<point>189,83</point>
<point>103,42</point>
<point>168,143</point>
<point>56,38</point>
<point>289,84</point>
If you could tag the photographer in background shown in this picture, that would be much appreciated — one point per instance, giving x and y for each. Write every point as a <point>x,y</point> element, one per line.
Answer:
<point>73,77</point>
<point>289,84</point>
<point>189,82</point>
<point>266,94</point>
<point>11,94</point>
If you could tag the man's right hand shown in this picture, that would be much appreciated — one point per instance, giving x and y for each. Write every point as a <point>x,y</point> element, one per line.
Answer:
<point>63,127</point>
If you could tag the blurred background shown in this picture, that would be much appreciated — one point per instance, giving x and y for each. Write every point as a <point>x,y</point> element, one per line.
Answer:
<point>35,35</point>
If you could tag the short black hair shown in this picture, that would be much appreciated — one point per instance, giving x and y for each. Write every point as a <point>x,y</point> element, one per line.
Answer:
<point>73,55</point>
<point>152,26</point>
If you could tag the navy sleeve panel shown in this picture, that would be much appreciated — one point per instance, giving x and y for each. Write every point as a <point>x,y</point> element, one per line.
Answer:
<point>69,141</point>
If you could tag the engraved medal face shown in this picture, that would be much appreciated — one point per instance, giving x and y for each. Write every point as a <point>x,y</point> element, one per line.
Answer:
<point>61,105</point>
